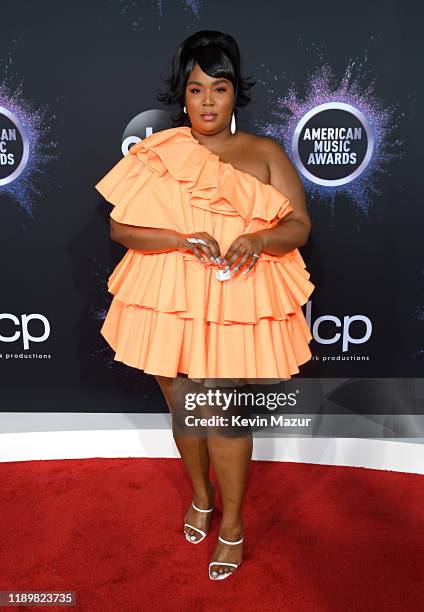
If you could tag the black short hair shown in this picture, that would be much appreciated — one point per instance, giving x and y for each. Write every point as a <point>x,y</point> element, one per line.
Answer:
<point>218,55</point>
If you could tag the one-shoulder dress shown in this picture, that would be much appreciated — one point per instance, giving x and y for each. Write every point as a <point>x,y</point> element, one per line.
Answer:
<point>169,312</point>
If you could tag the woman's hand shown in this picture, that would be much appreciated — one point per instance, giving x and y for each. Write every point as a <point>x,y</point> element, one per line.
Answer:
<point>208,246</point>
<point>246,248</point>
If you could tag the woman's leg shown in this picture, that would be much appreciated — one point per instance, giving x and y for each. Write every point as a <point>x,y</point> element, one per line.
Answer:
<point>194,453</point>
<point>230,448</point>
<point>230,459</point>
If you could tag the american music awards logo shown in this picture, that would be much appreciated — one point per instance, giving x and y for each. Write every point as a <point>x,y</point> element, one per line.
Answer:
<point>333,144</point>
<point>14,147</point>
<point>26,145</point>
<point>340,136</point>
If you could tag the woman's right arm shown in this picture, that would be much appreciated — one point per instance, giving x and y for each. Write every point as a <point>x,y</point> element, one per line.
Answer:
<point>158,240</point>
<point>146,239</point>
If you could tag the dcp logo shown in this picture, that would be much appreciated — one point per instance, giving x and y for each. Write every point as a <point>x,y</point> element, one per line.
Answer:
<point>22,324</point>
<point>342,327</point>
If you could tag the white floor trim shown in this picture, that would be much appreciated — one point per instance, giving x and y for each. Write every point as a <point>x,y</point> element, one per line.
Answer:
<point>400,456</point>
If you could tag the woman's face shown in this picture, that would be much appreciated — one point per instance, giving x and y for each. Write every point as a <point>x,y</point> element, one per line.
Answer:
<point>205,94</point>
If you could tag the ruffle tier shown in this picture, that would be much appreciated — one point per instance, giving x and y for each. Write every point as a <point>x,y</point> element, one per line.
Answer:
<point>164,344</point>
<point>169,313</point>
<point>275,290</point>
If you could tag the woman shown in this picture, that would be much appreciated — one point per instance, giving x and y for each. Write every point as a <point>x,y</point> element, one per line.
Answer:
<point>210,290</point>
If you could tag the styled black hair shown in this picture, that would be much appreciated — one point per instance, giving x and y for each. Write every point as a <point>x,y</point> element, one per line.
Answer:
<point>218,55</point>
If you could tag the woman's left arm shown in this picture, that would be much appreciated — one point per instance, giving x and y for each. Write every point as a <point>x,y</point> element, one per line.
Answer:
<point>292,231</point>
<point>289,233</point>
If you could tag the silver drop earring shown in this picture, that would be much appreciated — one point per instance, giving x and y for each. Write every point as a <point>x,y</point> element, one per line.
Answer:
<point>184,109</point>
<point>233,124</point>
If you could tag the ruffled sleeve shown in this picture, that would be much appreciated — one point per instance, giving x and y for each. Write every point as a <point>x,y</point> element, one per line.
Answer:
<point>139,195</point>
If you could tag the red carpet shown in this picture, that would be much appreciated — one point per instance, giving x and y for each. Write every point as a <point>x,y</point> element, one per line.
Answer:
<point>316,538</point>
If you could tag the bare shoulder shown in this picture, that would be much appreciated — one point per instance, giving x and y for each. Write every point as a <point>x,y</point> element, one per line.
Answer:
<point>266,149</point>
<point>274,152</point>
<point>259,142</point>
<point>282,171</point>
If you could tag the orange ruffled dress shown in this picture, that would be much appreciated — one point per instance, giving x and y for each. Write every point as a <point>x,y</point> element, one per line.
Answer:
<point>169,312</point>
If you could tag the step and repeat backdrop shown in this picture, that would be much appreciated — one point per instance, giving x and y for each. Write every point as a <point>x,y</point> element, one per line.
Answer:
<point>338,87</point>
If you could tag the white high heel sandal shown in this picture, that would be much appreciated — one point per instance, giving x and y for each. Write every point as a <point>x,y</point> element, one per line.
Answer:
<point>188,537</point>
<point>222,576</point>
